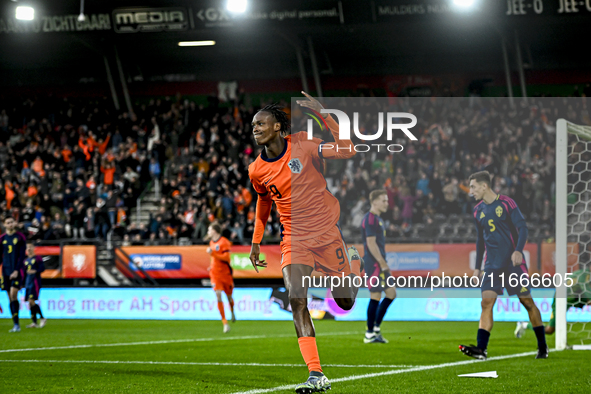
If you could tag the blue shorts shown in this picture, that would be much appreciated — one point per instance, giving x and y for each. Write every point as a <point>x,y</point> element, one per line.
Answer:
<point>377,280</point>
<point>6,283</point>
<point>32,289</point>
<point>501,277</point>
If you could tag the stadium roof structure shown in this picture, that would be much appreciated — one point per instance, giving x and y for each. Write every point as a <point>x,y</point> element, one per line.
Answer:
<point>348,38</point>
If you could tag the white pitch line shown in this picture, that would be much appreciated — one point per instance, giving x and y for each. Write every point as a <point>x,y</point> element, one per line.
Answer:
<point>172,341</point>
<point>201,363</point>
<point>393,372</point>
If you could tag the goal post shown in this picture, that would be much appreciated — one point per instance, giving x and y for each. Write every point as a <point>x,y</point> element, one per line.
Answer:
<point>561,233</point>
<point>573,223</point>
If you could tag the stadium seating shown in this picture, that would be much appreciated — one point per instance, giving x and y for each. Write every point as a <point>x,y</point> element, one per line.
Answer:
<point>69,176</point>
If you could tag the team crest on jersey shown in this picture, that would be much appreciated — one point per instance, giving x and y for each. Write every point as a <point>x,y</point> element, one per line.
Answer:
<point>481,215</point>
<point>217,248</point>
<point>295,165</point>
<point>499,211</point>
<point>14,241</point>
<point>4,243</point>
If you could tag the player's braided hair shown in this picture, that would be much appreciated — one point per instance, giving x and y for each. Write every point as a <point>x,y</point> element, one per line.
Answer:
<point>280,116</point>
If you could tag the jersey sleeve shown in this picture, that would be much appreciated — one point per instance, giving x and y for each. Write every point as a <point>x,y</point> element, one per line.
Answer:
<point>519,222</point>
<point>256,184</point>
<point>39,265</point>
<point>339,149</point>
<point>372,227</point>
<point>262,212</point>
<point>479,243</point>
<point>22,252</point>
<point>1,250</point>
<point>224,253</point>
<point>263,206</point>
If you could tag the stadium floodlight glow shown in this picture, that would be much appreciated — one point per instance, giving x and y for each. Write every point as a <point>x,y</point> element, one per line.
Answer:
<point>196,43</point>
<point>464,3</point>
<point>25,13</point>
<point>236,5</point>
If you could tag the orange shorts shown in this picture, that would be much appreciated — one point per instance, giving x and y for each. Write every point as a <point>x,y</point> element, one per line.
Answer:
<point>326,254</point>
<point>224,283</point>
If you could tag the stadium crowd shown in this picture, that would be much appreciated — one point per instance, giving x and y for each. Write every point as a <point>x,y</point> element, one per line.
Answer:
<point>74,168</point>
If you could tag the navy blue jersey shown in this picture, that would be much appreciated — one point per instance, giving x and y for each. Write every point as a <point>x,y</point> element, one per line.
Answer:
<point>373,226</point>
<point>34,263</point>
<point>501,230</point>
<point>12,252</point>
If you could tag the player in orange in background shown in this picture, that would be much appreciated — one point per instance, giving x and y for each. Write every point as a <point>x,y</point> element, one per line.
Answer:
<point>220,271</point>
<point>289,172</point>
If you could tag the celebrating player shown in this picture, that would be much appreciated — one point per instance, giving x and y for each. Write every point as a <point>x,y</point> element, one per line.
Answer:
<point>502,234</point>
<point>374,236</point>
<point>33,268</point>
<point>220,270</point>
<point>12,255</point>
<point>289,172</point>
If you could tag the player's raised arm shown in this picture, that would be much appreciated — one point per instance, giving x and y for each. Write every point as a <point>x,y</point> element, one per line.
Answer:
<point>340,149</point>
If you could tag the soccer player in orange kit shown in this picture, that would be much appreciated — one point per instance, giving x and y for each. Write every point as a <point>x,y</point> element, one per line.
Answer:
<point>220,271</point>
<point>289,172</point>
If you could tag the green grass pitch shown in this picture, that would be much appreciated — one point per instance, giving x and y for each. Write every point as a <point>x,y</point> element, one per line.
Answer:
<point>256,357</point>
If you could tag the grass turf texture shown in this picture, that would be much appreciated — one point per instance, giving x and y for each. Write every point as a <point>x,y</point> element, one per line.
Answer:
<point>411,344</point>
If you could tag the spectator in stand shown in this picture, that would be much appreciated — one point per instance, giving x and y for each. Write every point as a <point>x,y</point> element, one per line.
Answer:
<point>407,210</point>
<point>423,184</point>
<point>154,168</point>
<point>101,220</point>
<point>82,151</point>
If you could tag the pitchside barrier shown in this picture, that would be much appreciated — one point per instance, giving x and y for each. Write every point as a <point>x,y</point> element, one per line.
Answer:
<point>191,262</point>
<point>68,261</point>
<point>263,304</point>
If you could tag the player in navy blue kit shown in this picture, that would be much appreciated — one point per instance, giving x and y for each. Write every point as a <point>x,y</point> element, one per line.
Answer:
<point>502,234</point>
<point>12,256</point>
<point>374,238</point>
<point>33,268</point>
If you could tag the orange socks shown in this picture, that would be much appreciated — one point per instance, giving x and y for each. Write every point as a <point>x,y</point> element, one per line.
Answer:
<point>310,353</point>
<point>221,308</point>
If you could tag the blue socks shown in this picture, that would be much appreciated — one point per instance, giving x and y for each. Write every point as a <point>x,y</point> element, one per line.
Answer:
<point>541,335</point>
<point>382,310</point>
<point>372,310</point>
<point>14,309</point>
<point>482,338</point>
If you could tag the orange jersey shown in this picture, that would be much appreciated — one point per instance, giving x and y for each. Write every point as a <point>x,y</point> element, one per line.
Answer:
<point>220,257</point>
<point>294,180</point>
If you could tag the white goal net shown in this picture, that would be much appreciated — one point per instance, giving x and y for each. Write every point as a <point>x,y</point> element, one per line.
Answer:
<point>573,234</point>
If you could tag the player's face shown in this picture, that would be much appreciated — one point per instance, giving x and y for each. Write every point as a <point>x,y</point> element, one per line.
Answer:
<point>264,128</point>
<point>477,189</point>
<point>9,224</point>
<point>30,250</point>
<point>383,203</point>
<point>211,233</point>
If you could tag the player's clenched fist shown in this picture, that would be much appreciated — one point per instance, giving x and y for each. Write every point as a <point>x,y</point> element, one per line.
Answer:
<point>255,251</point>
<point>311,103</point>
